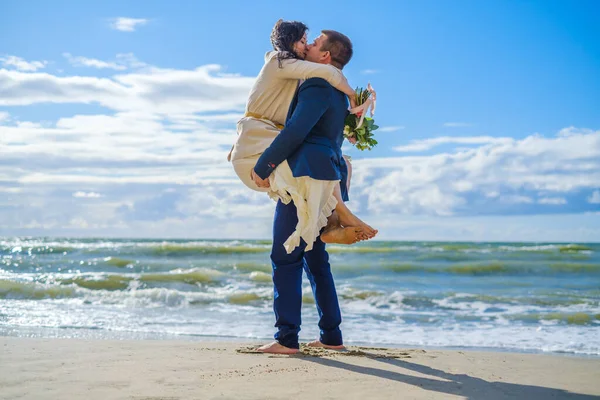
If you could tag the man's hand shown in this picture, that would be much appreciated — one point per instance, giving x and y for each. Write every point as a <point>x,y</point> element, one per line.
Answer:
<point>261,183</point>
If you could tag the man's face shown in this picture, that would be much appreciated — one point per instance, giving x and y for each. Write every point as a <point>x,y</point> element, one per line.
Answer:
<point>314,52</point>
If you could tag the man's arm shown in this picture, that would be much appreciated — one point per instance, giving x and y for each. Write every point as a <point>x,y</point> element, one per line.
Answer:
<point>314,99</point>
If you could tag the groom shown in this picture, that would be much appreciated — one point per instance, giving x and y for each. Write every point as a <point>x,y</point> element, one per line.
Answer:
<point>311,142</point>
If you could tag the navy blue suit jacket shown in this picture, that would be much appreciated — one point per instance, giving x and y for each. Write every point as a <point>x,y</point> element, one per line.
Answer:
<point>312,138</point>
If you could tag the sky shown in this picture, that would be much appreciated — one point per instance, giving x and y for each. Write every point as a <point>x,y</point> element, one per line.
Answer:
<point>116,117</point>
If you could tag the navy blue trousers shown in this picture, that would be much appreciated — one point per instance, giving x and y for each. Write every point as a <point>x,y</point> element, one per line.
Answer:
<point>287,281</point>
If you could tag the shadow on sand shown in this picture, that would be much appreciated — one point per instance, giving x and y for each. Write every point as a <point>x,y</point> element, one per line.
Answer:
<point>455,384</point>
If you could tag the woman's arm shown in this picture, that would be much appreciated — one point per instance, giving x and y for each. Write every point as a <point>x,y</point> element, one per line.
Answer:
<point>300,69</point>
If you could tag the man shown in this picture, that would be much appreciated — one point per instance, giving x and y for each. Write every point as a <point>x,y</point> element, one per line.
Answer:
<point>311,142</point>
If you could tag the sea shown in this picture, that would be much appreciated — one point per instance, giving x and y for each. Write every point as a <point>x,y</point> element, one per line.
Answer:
<point>524,297</point>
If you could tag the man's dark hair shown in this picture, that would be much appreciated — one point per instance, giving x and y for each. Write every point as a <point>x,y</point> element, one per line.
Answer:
<point>339,46</point>
<point>283,37</point>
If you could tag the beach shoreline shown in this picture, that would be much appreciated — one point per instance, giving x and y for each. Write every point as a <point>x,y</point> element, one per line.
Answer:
<point>43,333</point>
<point>50,368</point>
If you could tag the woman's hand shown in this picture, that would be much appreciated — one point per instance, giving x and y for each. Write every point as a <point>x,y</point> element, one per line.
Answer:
<point>261,183</point>
<point>352,101</point>
<point>348,91</point>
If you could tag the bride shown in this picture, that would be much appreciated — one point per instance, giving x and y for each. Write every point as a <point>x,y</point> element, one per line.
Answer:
<point>265,116</point>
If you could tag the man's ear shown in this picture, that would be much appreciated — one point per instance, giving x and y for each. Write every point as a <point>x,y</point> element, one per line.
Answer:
<point>327,56</point>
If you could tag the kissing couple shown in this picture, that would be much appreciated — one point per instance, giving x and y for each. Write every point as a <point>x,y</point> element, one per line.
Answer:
<point>289,145</point>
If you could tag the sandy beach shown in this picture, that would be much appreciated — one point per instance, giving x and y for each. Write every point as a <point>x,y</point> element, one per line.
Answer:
<point>152,369</point>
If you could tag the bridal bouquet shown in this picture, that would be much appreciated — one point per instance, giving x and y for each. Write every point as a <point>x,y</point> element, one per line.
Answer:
<point>358,127</point>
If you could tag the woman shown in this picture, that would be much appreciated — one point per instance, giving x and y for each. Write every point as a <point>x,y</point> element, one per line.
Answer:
<point>265,116</point>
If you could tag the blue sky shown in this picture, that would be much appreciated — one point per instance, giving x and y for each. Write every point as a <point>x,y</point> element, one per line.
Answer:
<point>115,117</point>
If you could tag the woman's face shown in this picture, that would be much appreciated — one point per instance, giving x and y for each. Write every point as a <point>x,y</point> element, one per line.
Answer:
<point>300,48</point>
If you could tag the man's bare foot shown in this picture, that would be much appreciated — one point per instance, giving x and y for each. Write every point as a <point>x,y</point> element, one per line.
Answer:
<point>317,343</point>
<point>349,235</point>
<point>351,220</point>
<point>276,348</point>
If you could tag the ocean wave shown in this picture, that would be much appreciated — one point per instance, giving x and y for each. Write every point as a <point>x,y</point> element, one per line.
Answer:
<point>111,282</point>
<point>385,300</point>
<point>491,267</point>
<point>32,290</point>
<point>573,248</point>
<point>575,267</point>
<point>443,256</point>
<point>246,298</point>
<point>483,269</point>
<point>575,318</point>
<point>519,268</point>
<point>162,248</point>
<point>174,250</point>
<point>548,248</point>
<point>449,251</point>
<point>36,249</point>
<point>122,282</point>
<point>259,276</point>
<point>118,262</point>
<point>334,249</point>
<point>250,267</point>
<point>105,292</point>
<point>437,246</point>
<point>52,246</point>
<point>540,300</point>
<point>361,294</point>
<point>185,276</point>
<point>64,285</point>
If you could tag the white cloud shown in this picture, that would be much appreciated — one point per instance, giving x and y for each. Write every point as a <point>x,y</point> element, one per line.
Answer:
<point>28,125</point>
<point>500,173</point>
<point>516,199</point>
<point>127,24</point>
<point>156,159</point>
<point>369,71</point>
<point>188,150</point>
<point>552,200</point>
<point>179,184</point>
<point>427,144</point>
<point>129,60</point>
<point>150,90</point>
<point>124,148</point>
<point>594,198</point>
<point>21,64</point>
<point>463,186</point>
<point>92,62</point>
<point>390,128</point>
<point>4,116</point>
<point>81,194</point>
<point>122,62</point>
<point>457,124</point>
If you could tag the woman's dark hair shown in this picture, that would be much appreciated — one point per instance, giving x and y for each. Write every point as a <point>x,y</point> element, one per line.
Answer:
<point>283,37</point>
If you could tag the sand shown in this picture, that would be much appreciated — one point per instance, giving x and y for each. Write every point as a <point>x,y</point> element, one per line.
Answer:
<point>152,369</point>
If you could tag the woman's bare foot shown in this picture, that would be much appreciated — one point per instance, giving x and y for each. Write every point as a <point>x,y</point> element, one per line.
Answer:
<point>350,220</point>
<point>317,343</point>
<point>276,348</point>
<point>339,235</point>
<point>347,219</point>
